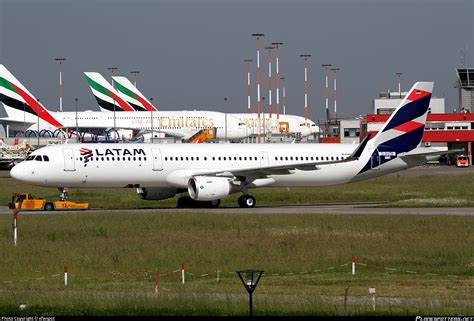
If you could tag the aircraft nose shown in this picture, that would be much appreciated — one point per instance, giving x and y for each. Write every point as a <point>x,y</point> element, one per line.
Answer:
<point>18,172</point>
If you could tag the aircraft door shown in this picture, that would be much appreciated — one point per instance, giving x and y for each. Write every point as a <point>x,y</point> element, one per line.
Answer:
<point>263,159</point>
<point>375,159</point>
<point>69,164</point>
<point>157,161</point>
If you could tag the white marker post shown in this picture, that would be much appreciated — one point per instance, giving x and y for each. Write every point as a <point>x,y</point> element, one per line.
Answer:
<point>65,275</point>
<point>15,234</point>
<point>353,265</point>
<point>372,291</point>
<point>182,272</point>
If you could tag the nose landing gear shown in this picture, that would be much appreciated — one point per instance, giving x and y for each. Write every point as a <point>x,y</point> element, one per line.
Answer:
<point>246,201</point>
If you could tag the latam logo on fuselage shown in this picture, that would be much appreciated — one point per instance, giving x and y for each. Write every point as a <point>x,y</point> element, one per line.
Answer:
<point>89,154</point>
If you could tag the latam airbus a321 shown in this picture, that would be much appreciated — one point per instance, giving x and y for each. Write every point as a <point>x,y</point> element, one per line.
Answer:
<point>209,172</point>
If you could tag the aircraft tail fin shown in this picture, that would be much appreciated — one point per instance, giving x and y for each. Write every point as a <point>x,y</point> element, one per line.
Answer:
<point>404,129</point>
<point>132,95</point>
<point>107,97</point>
<point>19,101</point>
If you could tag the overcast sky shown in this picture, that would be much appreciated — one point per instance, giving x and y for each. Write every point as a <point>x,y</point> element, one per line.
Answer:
<point>190,53</point>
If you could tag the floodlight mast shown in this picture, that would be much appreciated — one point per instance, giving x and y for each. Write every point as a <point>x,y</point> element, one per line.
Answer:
<point>305,56</point>
<point>270,106</point>
<point>327,92</point>
<point>258,35</point>
<point>60,61</point>
<point>277,45</point>
<point>249,106</point>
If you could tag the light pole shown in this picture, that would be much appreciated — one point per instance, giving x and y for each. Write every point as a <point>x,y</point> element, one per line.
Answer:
<point>270,48</point>
<point>399,87</point>
<point>151,121</point>
<point>335,91</point>
<point>305,56</point>
<point>225,116</point>
<point>249,108</point>
<point>77,125</point>
<point>277,53</point>
<point>60,61</point>
<point>135,75</point>
<point>284,95</point>
<point>258,35</point>
<point>327,93</point>
<point>112,69</point>
<point>38,125</point>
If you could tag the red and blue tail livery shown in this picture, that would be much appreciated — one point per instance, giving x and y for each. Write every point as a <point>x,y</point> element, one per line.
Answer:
<point>403,131</point>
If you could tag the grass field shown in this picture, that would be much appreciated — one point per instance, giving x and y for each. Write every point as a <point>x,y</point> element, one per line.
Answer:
<point>420,265</point>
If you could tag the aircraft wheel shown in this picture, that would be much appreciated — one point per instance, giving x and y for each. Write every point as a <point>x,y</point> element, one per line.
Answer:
<point>247,201</point>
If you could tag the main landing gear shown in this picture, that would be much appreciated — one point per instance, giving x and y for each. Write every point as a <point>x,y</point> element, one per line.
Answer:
<point>246,201</point>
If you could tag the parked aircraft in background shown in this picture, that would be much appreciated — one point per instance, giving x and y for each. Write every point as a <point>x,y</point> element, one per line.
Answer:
<point>25,112</point>
<point>285,124</point>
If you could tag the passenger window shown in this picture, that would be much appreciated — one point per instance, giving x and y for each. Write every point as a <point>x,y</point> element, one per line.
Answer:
<point>192,158</point>
<point>224,158</point>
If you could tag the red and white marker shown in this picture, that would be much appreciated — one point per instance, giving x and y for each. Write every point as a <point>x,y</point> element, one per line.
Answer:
<point>182,272</point>
<point>156,283</point>
<point>353,265</point>
<point>15,234</point>
<point>65,275</point>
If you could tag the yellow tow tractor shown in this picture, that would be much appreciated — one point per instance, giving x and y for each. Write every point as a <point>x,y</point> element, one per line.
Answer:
<point>26,202</point>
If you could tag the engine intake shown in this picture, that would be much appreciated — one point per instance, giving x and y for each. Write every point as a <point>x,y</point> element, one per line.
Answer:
<point>208,188</point>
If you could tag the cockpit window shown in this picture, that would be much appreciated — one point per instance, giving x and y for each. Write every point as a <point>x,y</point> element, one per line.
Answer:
<point>39,158</point>
<point>31,157</point>
<point>46,158</point>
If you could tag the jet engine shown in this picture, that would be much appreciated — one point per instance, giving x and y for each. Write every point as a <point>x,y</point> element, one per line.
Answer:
<point>208,188</point>
<point>156,193</point>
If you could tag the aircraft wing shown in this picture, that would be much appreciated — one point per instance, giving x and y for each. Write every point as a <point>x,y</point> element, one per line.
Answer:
<point>10,122</point>
<point>244,174</point>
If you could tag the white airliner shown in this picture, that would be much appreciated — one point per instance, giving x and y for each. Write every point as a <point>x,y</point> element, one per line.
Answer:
<point>25,111</point>
<point>209,172</point>
<point>289,124</point>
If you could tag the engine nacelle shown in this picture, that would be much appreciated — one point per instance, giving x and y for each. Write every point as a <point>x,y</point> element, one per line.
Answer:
<point>156,193</point>
<point>208,188</point>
